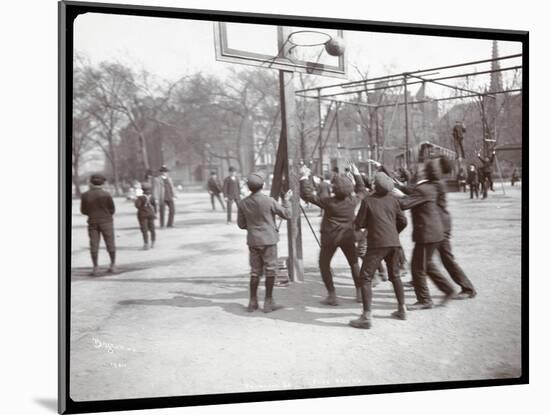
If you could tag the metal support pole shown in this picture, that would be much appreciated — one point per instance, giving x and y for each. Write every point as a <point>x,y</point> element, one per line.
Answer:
<point>320,133</point>
<point>377,135</point>
<point>288,117</point>
<point>500,174</point>
<point>406,122</point>
<point>337,127</point>
<point>288,112</point>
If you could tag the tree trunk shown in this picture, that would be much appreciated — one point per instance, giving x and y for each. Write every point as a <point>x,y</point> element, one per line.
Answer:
<point>302,145</point>
<point>114,165</point>
<point>144,155</point>
<point>76,179</point>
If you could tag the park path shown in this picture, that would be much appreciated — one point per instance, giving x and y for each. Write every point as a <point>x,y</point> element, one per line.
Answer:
<point>172,320</point>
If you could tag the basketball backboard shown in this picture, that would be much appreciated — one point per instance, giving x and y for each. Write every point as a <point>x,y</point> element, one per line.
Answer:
<point>295,49</point>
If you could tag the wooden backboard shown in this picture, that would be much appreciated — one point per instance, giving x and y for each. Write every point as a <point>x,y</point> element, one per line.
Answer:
<point>269,46</point>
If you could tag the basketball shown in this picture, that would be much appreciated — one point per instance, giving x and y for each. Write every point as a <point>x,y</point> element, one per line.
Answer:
<point>335,46</point>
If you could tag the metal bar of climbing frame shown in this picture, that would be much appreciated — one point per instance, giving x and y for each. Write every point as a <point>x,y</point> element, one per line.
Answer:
<point>379,78</point>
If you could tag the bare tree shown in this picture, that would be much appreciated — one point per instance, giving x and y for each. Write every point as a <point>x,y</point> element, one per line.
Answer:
<point>82,129</point>
<point>102,88</point>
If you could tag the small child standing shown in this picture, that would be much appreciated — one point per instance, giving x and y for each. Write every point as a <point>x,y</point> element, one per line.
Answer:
<point>146,214</point>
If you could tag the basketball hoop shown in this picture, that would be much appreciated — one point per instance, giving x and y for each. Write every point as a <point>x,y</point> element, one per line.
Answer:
<point>308,38</point>
<point>334,46</point>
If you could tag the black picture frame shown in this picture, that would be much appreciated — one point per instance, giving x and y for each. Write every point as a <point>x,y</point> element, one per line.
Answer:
<point>67,12</point>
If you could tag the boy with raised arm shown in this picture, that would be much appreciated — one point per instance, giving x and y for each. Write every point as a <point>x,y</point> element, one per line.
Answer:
<point>337,229</point>
<point>381,215</point>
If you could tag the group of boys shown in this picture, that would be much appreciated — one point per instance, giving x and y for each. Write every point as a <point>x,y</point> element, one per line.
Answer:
<point>97,204</point>
<point>381,215</point>
<point>478,178</point>
<point>231,190</point>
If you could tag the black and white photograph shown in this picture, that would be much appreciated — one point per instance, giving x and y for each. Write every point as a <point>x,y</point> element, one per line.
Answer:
<point>254,207</point>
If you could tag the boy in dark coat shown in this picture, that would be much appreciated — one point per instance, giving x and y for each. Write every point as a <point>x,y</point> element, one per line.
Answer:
<point>337,229</point>
<point>461,179</point>
<point>231,191</point>
<point>98,205</point>
<point>458,138</point>
<point>146,210</point>
<point>444,248</point>
<point>515,176</point>
<point>381,215</point>
<point>486,170</point>
<point>428,234</point>
<point>165,194</point>
<point>214,189</point>
<point>256,214</point>
<point>473,181</point>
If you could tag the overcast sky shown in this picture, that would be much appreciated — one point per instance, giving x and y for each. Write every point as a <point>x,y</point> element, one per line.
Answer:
<point>171,48</point>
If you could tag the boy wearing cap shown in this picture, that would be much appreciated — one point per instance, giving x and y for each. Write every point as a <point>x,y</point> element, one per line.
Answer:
<point>337,230</point>
<point>473,181</point>
<point>256,214</point>
<point>486,170</point>
<point>214,189</point>
<point>458,137</point>
<point>165,194</point>
<point>381,215</point>
<point>231,191</point>
<point>98,205</point>
<point>146,210</point>
<point>428,234</point>
<point>445,252</point>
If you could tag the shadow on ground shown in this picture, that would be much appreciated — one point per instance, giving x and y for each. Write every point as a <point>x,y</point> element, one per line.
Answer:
<point>301,301</point>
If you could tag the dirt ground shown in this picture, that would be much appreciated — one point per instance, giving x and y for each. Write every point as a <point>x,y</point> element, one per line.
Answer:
<point>172,321</point>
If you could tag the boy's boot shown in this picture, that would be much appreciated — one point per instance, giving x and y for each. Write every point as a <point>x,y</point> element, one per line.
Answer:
<point>269,305</point>
<point>253,303</point>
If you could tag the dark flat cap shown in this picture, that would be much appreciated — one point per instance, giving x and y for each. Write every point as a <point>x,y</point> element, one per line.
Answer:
<point>382,183</point>
<point>255,181</point>
<point>97,179</point>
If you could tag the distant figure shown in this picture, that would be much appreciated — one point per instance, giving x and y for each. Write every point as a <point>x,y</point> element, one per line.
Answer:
<point>165,194</point>
<point>146,214</point>
<point>149,178</point>
<point>256,214</point>
<point>458,136</point>
<point>461,180</point>
<point>98,205</point>
<point>214,189</point>
<point>231,191</point>
<point>403,175</point>
<point>515,176</point>
<point>473,181</point>
<point>136,185</point>
<point>349,175</point>
<point>335,173</point>
<point>486,170</point>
